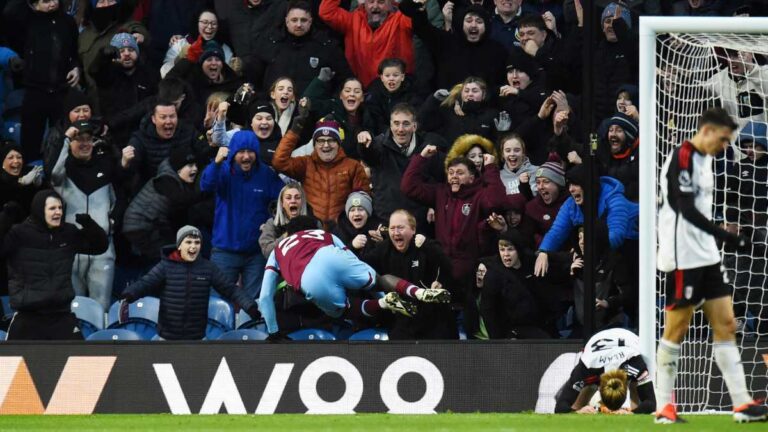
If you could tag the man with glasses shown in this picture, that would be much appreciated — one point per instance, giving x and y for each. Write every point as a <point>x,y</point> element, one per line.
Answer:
<point>328,175</point>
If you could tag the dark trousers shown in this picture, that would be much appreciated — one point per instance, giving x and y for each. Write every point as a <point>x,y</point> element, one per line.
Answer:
<point>38,109</point>
<point>44,326</point>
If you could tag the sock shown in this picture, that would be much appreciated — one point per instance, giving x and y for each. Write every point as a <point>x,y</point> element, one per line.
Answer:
<point>667,357</point>
<point>371,308</point>
<point>405,288</point>
<point>728,360</point>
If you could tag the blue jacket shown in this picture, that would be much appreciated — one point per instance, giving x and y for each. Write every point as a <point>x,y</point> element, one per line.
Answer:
<point>183,289</point>
<point>622,217</point>
<point>6,84</point>
<point>242,198</point>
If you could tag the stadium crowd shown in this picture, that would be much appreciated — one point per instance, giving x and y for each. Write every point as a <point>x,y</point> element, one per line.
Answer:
<point>161,147</point>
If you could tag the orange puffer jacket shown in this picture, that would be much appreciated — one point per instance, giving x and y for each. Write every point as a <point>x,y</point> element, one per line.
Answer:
<point>326,184</point>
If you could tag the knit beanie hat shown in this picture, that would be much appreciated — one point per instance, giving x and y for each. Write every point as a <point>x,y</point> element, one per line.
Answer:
<point>521,61</point>
<point>327,127</point>
<point>7,147</point>
<point>261,107</point>
<point>211,49</point>
<point>359,199</point>
<point>74,99</point>
<point>124,40</point>
<point>552,169</point>
<point>186,231</point>
<point>579,176</point>
<point>627,123</point>
<point>181,157</point>
<point>755,132</point>
<point>610,11</point>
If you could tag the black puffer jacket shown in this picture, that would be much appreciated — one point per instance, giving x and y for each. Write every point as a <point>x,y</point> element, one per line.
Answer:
<point>149,220</point>
<point>616,64</point>
<point>151,150</point>
<point>50,44</point>
<point>346,232</point>
<point>301,58</point>
<point>40,259</point>
<point>183,288</point>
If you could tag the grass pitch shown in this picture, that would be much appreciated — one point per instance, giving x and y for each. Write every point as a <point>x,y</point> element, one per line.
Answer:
<point>370,422</point>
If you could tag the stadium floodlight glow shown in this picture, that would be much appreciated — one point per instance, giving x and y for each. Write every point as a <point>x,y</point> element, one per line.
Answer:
<point>678,59</point>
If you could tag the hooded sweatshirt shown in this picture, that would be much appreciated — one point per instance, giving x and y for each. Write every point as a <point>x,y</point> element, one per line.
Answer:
<point>242,197</point>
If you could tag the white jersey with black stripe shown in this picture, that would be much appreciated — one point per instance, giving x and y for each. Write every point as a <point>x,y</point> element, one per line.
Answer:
<point>682,246</point>
<point>609,349</point>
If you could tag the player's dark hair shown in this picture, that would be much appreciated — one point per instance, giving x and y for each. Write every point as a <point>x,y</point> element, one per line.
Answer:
<point>298,4</point>
<point>392,62</point>
<point>717,117</point>
<point>532,20</point>
<point>461,160</point>
<point>301,223</point>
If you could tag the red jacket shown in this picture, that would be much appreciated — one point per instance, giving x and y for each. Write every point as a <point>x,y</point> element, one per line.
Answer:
<point>457,215</point>
<point>364,47</point>
<point>539,217</point>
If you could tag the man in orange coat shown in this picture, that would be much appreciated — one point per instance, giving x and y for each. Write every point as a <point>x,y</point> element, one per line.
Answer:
<point>374,31</point>
<point>328,175</point>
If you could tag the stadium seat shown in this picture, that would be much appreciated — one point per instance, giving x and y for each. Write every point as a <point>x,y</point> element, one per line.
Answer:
<point>221,318</point>
<point>370,335</point>
<point>115,335</point>
<point>342,329</point>
<point>3,335</point>
<point>7,311</point>
<point>243,334</point>
<point>311,334</point>
<point>142,317</point>
<point>245,321</point>
<point>89,313</point>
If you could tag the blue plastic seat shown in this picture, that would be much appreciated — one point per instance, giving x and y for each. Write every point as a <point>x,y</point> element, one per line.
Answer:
<point>3,335</point>
<point>89,313</point>
<point>115,335</point>
<point>243,335</point>
<point>311,334</point>
<point>7,310</point>
<point>245,321</point>
<point>221,318</point>
<point>142,317</point>
<point>370,335</point>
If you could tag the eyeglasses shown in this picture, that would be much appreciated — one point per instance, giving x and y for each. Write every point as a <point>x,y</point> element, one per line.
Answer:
<point>323,141</point>
<point>212,24</point>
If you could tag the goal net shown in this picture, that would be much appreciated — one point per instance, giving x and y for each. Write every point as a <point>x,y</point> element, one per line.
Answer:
<point>695,71</point>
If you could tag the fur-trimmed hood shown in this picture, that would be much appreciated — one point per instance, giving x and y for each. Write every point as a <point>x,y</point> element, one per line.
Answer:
<point>464,143</point>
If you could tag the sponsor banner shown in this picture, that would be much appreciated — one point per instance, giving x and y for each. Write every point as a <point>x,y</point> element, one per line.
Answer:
<point>247,378</point>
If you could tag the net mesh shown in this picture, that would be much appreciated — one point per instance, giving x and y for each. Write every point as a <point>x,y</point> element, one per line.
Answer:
<point>695,72</point>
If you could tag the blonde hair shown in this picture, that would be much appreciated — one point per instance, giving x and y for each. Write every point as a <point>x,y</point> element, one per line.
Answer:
<point>216,98</point>
<point>613,389</point>
<point>455,93</point>
<point>282,219</point>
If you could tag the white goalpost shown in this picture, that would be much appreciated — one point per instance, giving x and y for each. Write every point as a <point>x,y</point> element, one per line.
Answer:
<point>684,69</point>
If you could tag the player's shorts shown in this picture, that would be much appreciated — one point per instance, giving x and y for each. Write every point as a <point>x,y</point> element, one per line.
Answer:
<point>692,287</point>
<point>328,276</point>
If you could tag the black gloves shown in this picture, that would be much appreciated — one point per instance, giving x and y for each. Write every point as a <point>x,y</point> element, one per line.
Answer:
<point>84,219</point>
<point>277,337</point>
<point>300,122</point>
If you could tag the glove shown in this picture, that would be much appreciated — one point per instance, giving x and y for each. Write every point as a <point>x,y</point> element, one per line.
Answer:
<point>123,317</point>
<point>277,337</point>
<point>16,64</point>
<point>441,94</point>
<point>300,121</point>
<point>503,123</point>
<point>110,52</point>
<point>254,313</point>
<point>83,219</point>
<point>12,211</point>
<point>325,74</point>
<point>34,176</point>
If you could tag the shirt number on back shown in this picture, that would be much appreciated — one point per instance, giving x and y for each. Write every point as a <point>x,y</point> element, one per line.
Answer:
<point>287,243</point>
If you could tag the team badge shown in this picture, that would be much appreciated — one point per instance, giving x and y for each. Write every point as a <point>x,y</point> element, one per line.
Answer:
<point>356,202</point>
<point>465,209</point>
<point>314,61</point>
